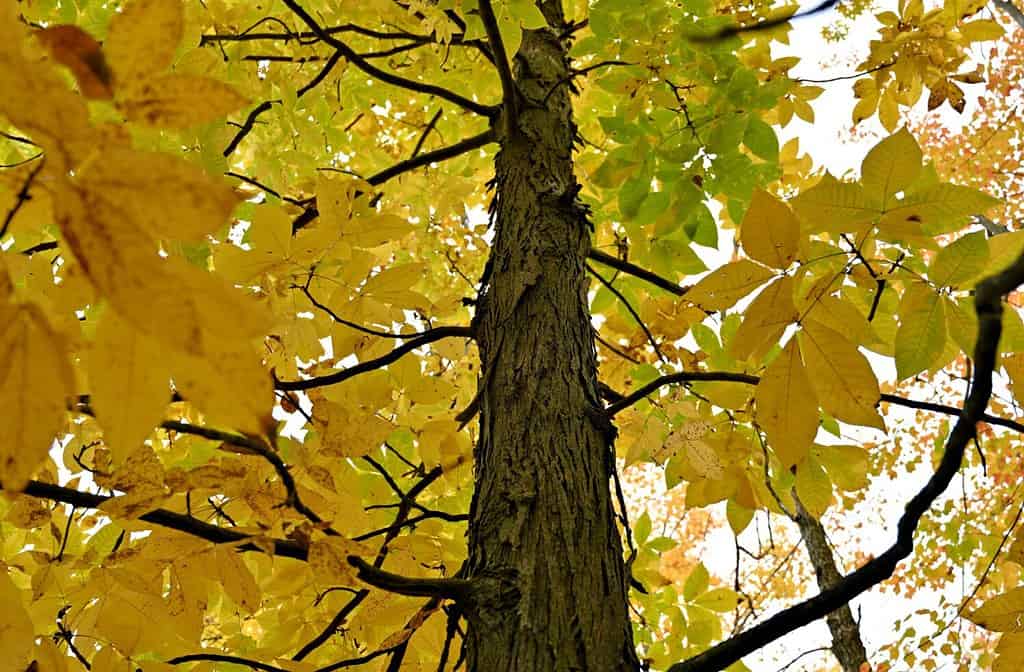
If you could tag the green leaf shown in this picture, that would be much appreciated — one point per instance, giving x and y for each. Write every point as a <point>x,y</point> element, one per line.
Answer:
<point>761,140</point>
<point>697,582</point>
<point>921,337</point>
<point>963,260</point>
<point>722,600</point>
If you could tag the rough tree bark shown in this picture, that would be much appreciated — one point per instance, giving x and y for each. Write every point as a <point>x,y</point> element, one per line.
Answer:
<point>847,645</point>
<point>545,555</point>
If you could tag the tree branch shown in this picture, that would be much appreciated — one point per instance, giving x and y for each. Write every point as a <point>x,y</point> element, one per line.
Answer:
<point>988,305</point>
<point>223,658</point>
<point>1013,10</point>
<point>403,512</point>
<point>412,163</point>
<point>435,334</point>
<point>247,125</point>
<point>625,401</point>
<point>433,156</point>
<point>256,447</point>
<point>452,589</point>
<point>509,93</point>
<point>847,645</point>
<point>634,270</point>
<point>383,75</point>
<point>632,311</point>
<point>169,519</point>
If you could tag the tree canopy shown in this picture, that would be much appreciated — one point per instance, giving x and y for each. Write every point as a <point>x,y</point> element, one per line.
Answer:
<point>328,328</point>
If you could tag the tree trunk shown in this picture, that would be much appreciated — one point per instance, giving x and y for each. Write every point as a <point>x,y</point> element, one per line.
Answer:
<point>544,550</point>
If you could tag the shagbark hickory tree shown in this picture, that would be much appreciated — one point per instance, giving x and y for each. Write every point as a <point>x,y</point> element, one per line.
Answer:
<point>274,397</point>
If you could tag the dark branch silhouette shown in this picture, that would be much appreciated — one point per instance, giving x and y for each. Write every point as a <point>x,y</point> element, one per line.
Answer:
<point>988,305</point>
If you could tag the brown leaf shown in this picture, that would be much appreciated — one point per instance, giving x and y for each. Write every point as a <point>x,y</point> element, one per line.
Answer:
<point>82,54</point>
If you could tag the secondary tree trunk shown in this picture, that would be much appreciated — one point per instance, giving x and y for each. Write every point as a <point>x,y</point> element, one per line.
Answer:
<point>543,544</point>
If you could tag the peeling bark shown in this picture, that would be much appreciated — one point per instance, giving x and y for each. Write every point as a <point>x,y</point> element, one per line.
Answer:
<point>545,557</point>
<point>846,642</point>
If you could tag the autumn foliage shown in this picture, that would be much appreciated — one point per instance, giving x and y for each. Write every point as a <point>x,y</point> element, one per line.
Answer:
<point>245,256</point>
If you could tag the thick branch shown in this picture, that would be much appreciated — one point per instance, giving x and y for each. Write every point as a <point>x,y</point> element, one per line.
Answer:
<point>383,75</point>
<point>847,645</point>
<point>988,305</point>
<point>434,156</point>
<point>509,92</point>
<point>169,519</point>
<point>1013,10</point>
<point>747,379</point>
<point>453,589</point>
<point>634,270</point>
<point>435,334</point>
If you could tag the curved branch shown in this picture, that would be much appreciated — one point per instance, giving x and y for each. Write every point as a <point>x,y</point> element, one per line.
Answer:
<point>223,658</point>
<point>988,305</point>
<point>509,93</point>
<point>625,401</point>
<point>634,270</point>
<point>383,75</point>
<point>453,589</point>
<point>412,163</point>
<point>435,334</point>
<point>257,447</point>
<point>247,125</point>
<point>433,156</point>
<point>632,311</point>
<point>403,513</point>
<point>169,519</point>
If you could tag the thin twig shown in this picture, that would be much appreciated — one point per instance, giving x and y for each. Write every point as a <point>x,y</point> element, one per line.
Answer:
<point>388,77</point>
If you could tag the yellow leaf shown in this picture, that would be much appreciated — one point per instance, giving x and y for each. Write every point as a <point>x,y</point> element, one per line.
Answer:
<point>236,579</point>
<point>770,231</point>
<point>847,387</point>
<point>142,39</point>
<point>45,108</point>
<point>941,208</point>
<point>1002,613</point>
<point>328,558</point>
<point>831,205</point>
<point>228,383</point>
<point>813,487</point>
<point>129,384</point>
<point>1010,652</point>
<point>890,167</point>
<point>178,304</point>
<point>179,101</point>
<point>726,285</point>
<point>16,631</point>
<point>765,320</point>
<point>36,382</point>
<point>960,261</point>
<point>921,337</point>
<point>47,657</point>
<point>982,30</point>
<point>786,406</point>
<point>351,432</point>
<point>167,195</point>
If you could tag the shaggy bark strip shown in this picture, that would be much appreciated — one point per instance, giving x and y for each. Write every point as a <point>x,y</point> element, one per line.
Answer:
<point>847,645</point>
<point>545,556</point>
